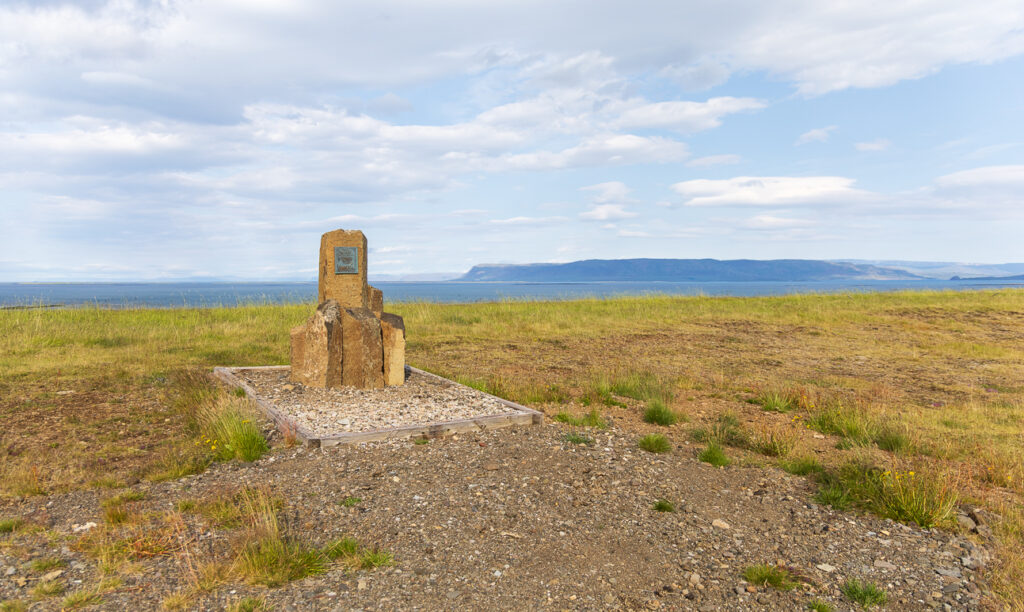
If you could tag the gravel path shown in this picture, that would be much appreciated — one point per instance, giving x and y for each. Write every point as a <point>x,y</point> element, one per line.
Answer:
<point>520,519</point>
<point>421,400</point>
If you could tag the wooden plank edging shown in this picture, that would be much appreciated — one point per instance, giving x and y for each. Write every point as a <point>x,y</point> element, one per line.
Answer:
<point>518,415</point>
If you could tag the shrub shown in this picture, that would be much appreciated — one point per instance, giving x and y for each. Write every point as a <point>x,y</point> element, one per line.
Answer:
<point>232,432</point>
<point>658,413</point>
<point>655,443</point>
<point>864,594</point>
<point>714,455</point>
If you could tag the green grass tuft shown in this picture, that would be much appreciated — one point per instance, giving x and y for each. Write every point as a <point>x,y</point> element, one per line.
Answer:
<point>663,505</point>
<point>865,594</point>
<point>10,525</point>
<point>655,443</point>
<point>801,466</point>
<point>44,565</point>
<point>657,413</point>
<point>714,455</point>
<point>927,499</point>
<point>350,501</point>
<point>13,605</point>
<point>341,549</point>
<point>817,605</point>
<point>590,419</point>
<point>773,401</point>
<point>776,577</point>
<point>577,438</point>
<point>81,599</point>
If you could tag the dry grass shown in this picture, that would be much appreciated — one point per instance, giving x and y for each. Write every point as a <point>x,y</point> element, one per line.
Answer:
<point>932,380</point>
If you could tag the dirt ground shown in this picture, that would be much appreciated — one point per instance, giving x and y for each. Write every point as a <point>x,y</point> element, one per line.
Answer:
<point>521,519</point>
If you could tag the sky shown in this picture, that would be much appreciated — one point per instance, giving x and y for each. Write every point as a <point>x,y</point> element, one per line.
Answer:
<point>165,139</point>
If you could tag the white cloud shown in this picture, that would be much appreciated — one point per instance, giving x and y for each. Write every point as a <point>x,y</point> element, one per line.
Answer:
<point>714,160</point>
<point>879,144</point>
<point>988,176</point>
<point>607,212</point>
<point>528,220</point>
<point>609,192</point>
<point>768,191</point>
<point>772,222</point>
<point>815,135</point>
<point>686,117</point>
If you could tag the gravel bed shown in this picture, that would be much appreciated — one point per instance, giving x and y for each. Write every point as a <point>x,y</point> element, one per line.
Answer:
<point>422,400</point>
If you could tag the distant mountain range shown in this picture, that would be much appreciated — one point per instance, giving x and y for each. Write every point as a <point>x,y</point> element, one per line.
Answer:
<point>683,270</point>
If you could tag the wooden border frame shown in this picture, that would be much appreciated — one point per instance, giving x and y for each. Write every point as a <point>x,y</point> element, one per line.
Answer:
<point>517,415</point>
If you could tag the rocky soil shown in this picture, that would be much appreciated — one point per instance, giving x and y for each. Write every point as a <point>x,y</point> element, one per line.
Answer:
<point>521,519</point>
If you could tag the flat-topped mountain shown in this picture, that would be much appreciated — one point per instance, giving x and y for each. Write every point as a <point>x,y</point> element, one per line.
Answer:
<point>682,270</point>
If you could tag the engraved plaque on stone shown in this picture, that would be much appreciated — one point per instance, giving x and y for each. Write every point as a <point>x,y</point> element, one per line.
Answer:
<point>346,260</point>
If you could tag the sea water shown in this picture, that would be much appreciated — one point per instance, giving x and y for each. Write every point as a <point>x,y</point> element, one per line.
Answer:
<point>210,294</point>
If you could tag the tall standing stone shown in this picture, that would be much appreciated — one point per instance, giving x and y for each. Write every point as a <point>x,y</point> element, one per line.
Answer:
<point>343,269</point>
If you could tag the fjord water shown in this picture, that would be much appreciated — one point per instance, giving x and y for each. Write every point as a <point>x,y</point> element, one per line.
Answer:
<point>210,294</point>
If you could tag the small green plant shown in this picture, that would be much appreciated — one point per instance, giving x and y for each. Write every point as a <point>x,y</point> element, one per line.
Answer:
<point>854,424</point>
<point>248,604</point>
<point>12,605</point>
<point>817,605</point>
<point>80,599</point>
<point>773,401</point>
<point>233,434</point>
<point>801,466</point>
<point>726,430</point>
<point>115,515</point>
<point>714,455</point>
<point>865,594</point>
<point>663,505</point>
<point>47,564</point>
<point>238,392</point>
<point>10,525</point>
<point>187,505</point>
<point>655,443</point>
<point>591,419</point>
<point>342,549</point>
<point>775,441</point>
<point>902,495</point>
<point>889,438</point>
<point>774,576</point>
<point>658,413</point>
<point>832,493</point>
<point>350,501</point>
<point>375,558</point>
<point>47,588</point>
<point>577,438</point>
<point>421,441</point>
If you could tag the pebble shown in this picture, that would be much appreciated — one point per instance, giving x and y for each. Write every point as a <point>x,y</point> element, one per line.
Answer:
<point>720,524</point>
<point>825,567</point>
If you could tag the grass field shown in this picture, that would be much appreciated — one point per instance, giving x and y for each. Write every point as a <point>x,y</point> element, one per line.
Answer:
<point>920,394</point>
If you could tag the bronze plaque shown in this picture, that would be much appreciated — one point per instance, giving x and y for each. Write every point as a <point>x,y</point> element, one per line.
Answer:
<point>346,260</point>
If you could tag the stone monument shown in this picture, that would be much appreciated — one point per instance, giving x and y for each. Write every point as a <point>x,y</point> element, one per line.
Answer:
<point>349,340</point>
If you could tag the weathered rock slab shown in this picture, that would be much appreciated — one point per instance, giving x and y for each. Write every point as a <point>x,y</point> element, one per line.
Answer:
<point>363,365</point>
<point>392,329</point>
